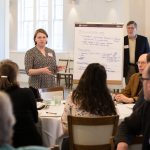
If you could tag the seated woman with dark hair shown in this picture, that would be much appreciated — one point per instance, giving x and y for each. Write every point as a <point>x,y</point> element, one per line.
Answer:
<point>91,98</point>
<point>24,106</point>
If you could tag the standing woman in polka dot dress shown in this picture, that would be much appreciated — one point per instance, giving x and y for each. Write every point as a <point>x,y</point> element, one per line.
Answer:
<point>40,62</point>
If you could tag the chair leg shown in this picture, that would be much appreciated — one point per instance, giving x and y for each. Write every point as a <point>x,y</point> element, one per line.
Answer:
<point>70,81</point>
<point>112,143</point>
<point>58,79</point>
<point>66,81</point>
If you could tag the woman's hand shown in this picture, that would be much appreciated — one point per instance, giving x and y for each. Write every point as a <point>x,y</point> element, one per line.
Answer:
<point>60,68</point>
<point>45,70</point>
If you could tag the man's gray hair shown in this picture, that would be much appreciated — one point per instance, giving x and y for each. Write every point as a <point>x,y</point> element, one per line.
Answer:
<point>132,22</point>
<point>7,119</point>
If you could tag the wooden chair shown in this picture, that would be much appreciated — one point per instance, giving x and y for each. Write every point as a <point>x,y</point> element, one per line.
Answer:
<point>92,133</point>
<point>48,93</point>
<point>66,73</point>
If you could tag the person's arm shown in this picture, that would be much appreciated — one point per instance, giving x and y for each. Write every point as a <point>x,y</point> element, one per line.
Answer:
<point>32,104</point>
<point>122,146</point>
<point>128,129</point>
<point>124,99</point>
<point>139,101</point>
<point>66,112</point>
<point>55,65</point>
<point>39,71</point>
<point>125,95</point>
<point>127,90</point>
<point>128,95</point>
<point>29,63</point>
<point>147,48</point>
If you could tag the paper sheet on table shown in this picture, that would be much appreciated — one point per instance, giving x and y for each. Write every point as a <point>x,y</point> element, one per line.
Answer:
<point>52,111</point>
<point>130,106</point>
<point>124,110</point>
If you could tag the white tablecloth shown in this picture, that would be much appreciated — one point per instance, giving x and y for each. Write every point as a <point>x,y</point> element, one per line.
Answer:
<point>124,110</point>
<point>50,120</point>
<point>50,124</point>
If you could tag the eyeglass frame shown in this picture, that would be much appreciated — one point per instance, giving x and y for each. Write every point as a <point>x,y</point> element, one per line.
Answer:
<point>142,63</point>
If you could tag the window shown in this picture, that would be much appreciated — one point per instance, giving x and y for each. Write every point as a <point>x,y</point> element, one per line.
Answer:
<point>34,14</point>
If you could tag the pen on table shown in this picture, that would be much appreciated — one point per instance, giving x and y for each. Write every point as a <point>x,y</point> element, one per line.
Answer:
<point>51,113</point>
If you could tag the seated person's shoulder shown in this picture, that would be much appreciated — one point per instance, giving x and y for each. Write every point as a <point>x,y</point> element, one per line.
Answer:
<point>142,37</point>
<point>25,90</point>
<point>135,75</point>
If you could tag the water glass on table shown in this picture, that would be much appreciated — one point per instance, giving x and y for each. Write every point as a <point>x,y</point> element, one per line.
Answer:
<point>57,100</point>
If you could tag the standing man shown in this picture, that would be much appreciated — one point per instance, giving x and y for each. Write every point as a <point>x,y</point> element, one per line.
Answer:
<point>134,46</point>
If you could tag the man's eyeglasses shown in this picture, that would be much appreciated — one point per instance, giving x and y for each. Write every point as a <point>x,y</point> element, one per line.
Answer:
<point>132,28</point>
<point>142,79</point>
<point>141,62</point>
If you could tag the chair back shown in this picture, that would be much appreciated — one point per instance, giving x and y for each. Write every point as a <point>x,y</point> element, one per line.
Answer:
<point>67,64</point>
<point>66,73</point>
<point>49,93</point>
<point>64,64</point>
<point>92,133</point>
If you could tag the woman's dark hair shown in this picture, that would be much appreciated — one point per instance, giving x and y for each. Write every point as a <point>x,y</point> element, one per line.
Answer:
<point>39,31</point>
<point>92,94</point>
<point>8,74</point>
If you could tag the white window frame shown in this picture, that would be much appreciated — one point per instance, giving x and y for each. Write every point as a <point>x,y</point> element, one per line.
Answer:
<point>50,23</point>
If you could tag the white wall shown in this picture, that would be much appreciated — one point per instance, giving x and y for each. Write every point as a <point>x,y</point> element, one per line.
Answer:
<point>13,25</point>
<point>147,18</point>
<point>4,29</point>
<point>84,11</point>
<point>116,11</point>
<point>137,13</point>
<point>81,11</point>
